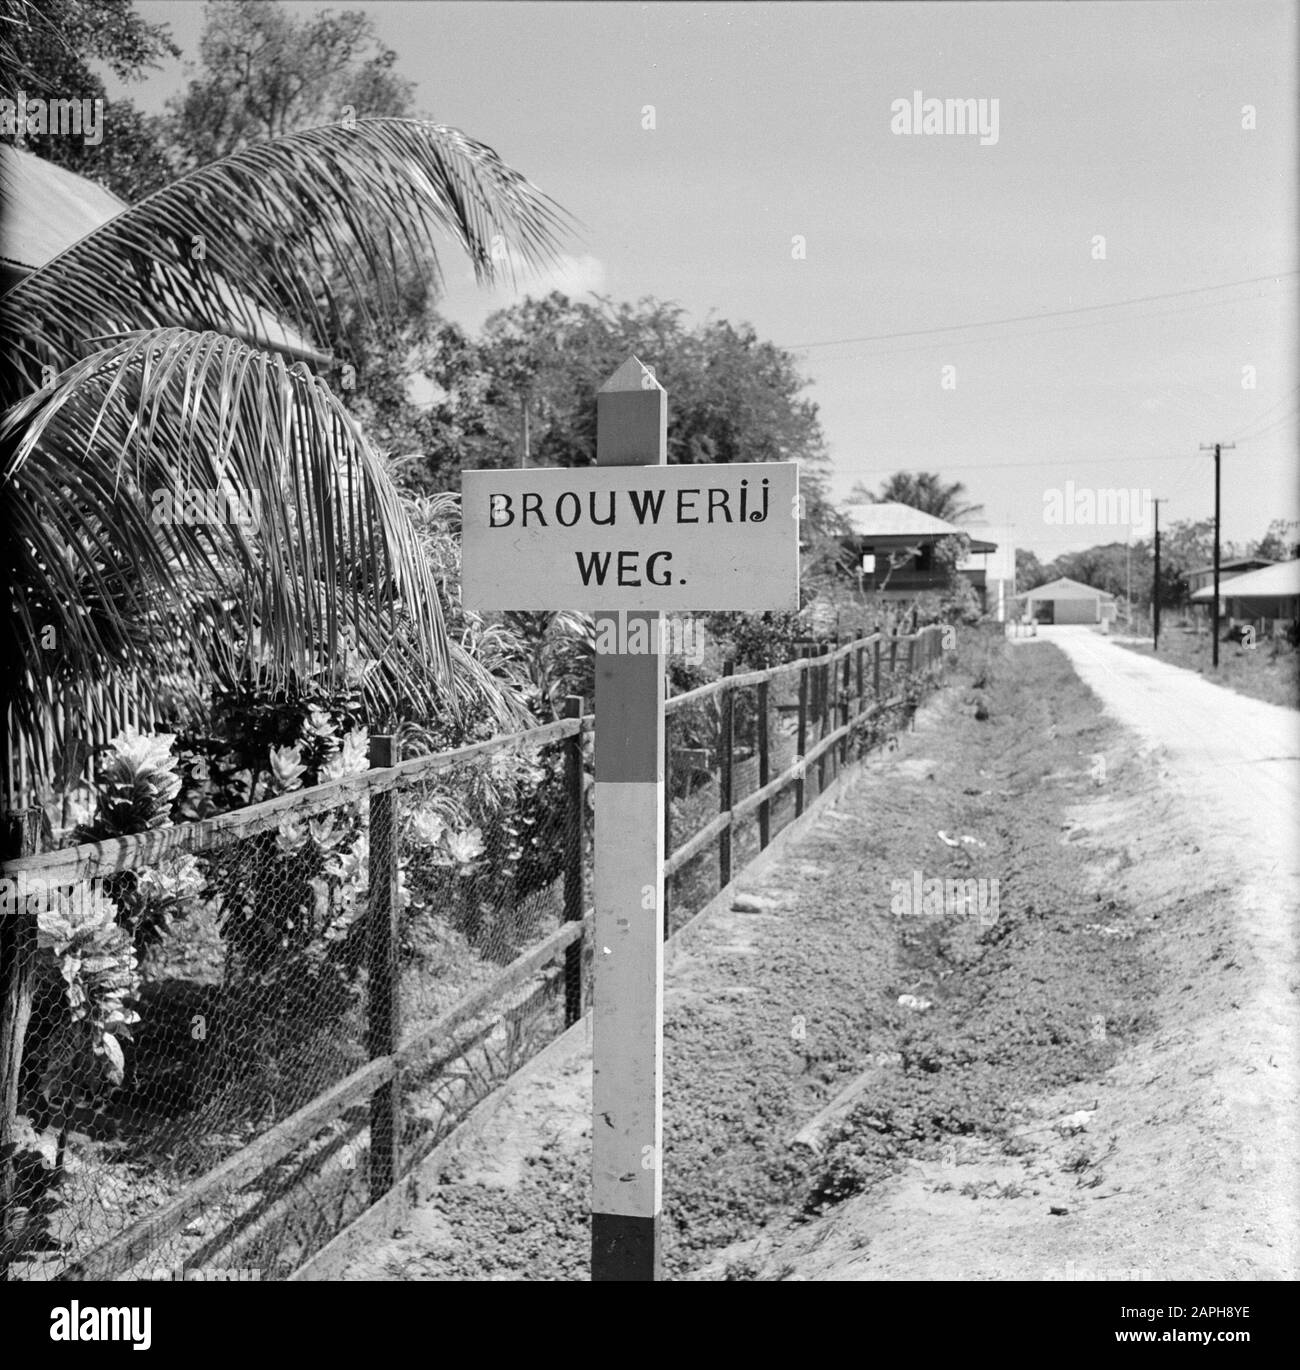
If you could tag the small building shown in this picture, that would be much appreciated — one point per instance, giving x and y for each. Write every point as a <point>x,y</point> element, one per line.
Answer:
<point>1267,596</point>
<point>1067,601</point>
<point>894,546</point>
<point>1202,576</point>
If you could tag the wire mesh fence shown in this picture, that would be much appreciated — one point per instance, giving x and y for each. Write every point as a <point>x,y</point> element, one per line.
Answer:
<point>224,1041</point>
<point>262,963</point>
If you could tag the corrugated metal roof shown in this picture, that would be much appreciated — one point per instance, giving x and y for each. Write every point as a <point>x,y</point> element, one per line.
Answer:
<point>1280,579</point>
<point>48,208</point>
<point>1227,565</point>
<point>1065,588</point>
<point>895,520</point>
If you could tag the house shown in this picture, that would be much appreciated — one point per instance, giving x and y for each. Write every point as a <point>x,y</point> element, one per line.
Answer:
<point>894,546</point>
<point>1266,597</point>
<point>1202,578</point>
<point>1067,601</point>
<point>996,559</point>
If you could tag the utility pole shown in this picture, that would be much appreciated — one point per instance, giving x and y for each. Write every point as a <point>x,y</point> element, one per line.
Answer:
<point>1155,584</point>
<point>1216,449</point>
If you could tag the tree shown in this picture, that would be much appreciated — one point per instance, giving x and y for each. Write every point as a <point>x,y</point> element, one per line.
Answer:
<point>923,490</point>
<point>1029,570</point>
<point>261,73</point>
<point>1280,543</point>
<point>264,73</point>
<point>283,555</point>
<point>46,49</point>
<point>731,395</point>
<point>99,439</point>
<point>1187,546</point>
<point>1115,567</point>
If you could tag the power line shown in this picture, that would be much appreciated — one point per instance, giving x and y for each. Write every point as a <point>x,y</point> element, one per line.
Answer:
<point>1271,428</point>
<point>1046,314</point>
<point>1277,404</point>
<point>1007,465</point>
<point>1288,399</point>
<point>1039,332</point>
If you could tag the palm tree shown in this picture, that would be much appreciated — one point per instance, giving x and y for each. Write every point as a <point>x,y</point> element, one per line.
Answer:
<point>131,405</point>
<point>925,491</point>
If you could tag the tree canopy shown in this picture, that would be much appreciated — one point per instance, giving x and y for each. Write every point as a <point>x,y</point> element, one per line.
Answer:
<point>731,395</point>
<point>46,51</point>
<point>923,490</point>
<point>263,72</point>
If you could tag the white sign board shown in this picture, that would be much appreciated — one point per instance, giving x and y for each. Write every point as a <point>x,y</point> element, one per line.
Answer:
<point>716,537</point>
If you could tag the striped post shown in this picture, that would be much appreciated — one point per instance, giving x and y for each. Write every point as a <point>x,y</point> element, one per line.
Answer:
<point>628,885</point>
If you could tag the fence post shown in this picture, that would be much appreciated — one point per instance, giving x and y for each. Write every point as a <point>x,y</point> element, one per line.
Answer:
<point>668,816</point>
<point>574,845</point>
<point>857,667</point>
<point>893,660</point>
<point>727,739</point>
<point>824,714</point>
<point>803,730</point>
<point>383,994</point>
<point>764,768</point>
<point>26,832</point>
<point>875,670</point>
<point>844,711</point>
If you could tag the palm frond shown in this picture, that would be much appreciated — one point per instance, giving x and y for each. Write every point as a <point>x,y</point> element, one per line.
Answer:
<point>259,235</point>
<point>181,497</point>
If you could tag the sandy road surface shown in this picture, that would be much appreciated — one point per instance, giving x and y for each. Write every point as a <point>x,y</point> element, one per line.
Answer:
<point>1191,839</point>
<point>1194,826</point>
<point>1240,754</point>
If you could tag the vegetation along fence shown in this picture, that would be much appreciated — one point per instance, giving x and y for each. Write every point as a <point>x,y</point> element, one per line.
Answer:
<point>226,1041</point>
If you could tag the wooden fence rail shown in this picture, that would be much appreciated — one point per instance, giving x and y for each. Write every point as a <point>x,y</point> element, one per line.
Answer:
<point>835,694</point>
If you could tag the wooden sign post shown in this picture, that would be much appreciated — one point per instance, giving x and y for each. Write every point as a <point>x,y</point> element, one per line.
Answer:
<point>627,540</point>
<point>628,888</point>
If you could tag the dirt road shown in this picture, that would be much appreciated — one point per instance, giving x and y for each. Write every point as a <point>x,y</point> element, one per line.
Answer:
<point>1149,885</point>
<point>1194,822</point>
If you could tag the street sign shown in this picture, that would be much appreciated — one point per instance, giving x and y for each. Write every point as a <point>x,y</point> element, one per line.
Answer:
<point>673,538</point>
<point>625,540</point>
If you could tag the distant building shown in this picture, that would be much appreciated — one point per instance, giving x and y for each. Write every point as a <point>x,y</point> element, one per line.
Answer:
<point>1202,578</point>
<point>893,544</point>
<point>997,560</point>
<point>1269,595</point>
<point>1067,601</point>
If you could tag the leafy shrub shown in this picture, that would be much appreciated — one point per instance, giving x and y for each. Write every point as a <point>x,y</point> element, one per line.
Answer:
<point>94,959</point>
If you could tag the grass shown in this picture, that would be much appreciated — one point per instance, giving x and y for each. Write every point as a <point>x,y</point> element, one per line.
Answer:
<point>1269,671</point>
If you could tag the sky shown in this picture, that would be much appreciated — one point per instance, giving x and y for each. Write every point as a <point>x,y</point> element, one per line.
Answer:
<point>1142,150</point>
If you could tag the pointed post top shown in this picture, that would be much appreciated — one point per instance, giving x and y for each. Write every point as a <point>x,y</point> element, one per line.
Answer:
<point>634,374</point>
<point>632,418</point>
